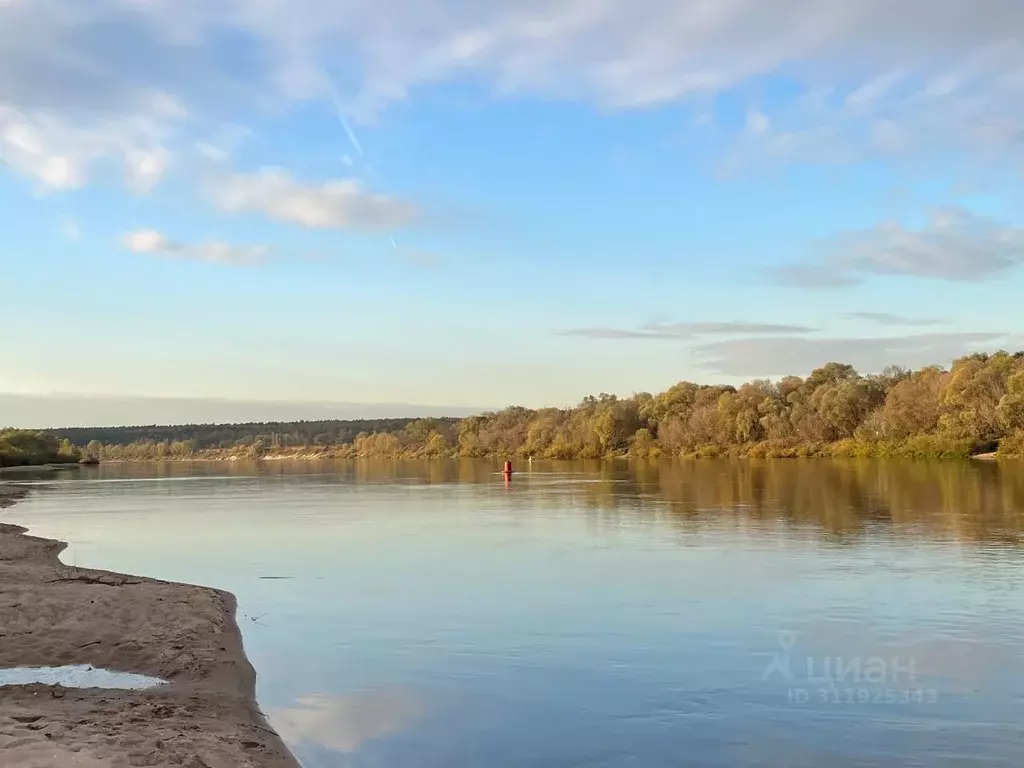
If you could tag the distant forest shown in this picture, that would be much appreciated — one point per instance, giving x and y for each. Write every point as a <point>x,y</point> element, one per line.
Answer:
<point>975,406</point>
<point>277,433</point>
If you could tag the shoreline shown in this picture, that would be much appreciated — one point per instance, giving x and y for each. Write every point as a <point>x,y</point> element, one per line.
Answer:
<point>19,468</point>
<point>991,456</point>
<point>206,716</point>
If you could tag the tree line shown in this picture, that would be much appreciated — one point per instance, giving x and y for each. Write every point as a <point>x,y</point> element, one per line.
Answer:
<point>23,448</point>
<point>974,406</point>
<point>201,436</point>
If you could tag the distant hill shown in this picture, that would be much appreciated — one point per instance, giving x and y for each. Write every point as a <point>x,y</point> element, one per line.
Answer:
<point>59,411</point>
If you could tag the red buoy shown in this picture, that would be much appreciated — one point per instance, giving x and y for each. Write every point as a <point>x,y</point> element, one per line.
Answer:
<point>508,468</point>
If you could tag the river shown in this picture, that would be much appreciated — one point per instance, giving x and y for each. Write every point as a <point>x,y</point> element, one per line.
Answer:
<point>421,614</point>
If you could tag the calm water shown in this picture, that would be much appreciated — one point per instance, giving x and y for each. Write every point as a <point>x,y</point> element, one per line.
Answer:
<point>711,614</point>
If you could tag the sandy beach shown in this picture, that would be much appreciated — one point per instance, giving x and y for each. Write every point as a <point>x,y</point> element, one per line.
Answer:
<point>55,615</point>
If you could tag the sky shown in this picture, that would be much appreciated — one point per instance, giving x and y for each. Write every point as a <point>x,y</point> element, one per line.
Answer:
<point>226,209</point>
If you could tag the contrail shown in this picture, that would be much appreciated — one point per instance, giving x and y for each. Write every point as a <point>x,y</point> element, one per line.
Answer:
<point>341,119</point>
<point>351,134</point>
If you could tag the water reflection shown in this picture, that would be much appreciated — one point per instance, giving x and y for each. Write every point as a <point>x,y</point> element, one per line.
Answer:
<point>970,501</point>
<point>595,613</point>
<point>342,723</point>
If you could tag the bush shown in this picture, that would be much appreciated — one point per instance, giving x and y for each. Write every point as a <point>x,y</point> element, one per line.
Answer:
<point>851,448</point>
<point>1012,446</point>
<point>19,447</point>
<point>939,445</point>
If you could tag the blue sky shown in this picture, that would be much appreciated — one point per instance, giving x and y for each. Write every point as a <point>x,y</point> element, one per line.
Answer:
<point>462,206</point>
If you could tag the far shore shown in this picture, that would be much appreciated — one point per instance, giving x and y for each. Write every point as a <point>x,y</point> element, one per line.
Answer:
<point>56,615</point>
<point>37,468</point>
<point>213,456</point>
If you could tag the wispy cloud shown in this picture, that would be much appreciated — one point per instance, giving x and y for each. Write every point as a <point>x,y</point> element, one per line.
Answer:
<point>145,167</point>
<point>600,332</point>
<point>758,122</point>
<point>70,230</point>
<point>62,151</point>
<point>783,355</point>
<point>151,241</point>
<point>339,204</point>
<point>887,318</point>
<point>669,331</point>
<point>81,83</point>
<point>954,245</point>
<point>417,258</point>
<point>809,275</point>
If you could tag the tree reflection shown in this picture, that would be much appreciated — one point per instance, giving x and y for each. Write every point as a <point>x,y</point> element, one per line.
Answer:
<point>966,500</point>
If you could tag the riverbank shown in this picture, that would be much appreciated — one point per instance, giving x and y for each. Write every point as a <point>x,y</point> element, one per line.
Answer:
<point>56,615</point>
<point>843,450</point>
<point>27,468</point>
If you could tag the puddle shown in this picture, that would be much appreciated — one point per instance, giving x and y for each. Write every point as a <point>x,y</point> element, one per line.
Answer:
<point>78,677</point>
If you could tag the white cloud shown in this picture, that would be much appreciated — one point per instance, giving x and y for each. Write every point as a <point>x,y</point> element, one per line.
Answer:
<point>86,87</point>
<point>970,105</point>
<point>148,241</point>
<point>151,241</point>
<point>758,122</point>
<point>895,76</point>
<point>954,244</point>
<point>338,204</point>
<point>59,152</point>
<point>24,147</point>
<point>212,152</point>
<point>145,168</point>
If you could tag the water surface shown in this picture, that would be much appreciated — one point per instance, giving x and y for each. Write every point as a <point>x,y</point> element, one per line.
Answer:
<point>708,613</point>
<point>77,676</point>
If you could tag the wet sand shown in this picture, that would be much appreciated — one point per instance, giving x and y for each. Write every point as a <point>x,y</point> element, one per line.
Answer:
<point>54,615</point>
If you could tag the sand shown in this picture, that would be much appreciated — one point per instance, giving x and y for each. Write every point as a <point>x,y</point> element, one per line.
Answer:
<point>55,615</point>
